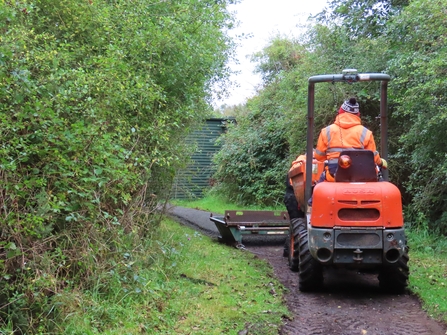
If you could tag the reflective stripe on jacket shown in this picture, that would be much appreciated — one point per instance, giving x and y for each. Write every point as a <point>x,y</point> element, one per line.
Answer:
<point>345,133</point>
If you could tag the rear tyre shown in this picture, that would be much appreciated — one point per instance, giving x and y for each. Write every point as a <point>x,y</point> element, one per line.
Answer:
<point>292,206</point>
<point>394,278</point>
<point>297,226</point>
<point>310,271</point>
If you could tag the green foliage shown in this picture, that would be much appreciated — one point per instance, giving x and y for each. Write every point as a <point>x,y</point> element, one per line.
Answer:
<point>279,57</point>
<point>362,18</point>
<point>94,99</point>
<point>252,160</point>
<point>421,107</point>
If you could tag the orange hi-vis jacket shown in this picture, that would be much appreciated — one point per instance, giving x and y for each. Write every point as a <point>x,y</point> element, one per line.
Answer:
<point>346,132</point>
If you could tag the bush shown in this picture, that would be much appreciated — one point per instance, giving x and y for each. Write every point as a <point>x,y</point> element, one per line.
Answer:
<point>254,159</point>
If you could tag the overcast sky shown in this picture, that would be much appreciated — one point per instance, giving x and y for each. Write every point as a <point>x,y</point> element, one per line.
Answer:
<point>264,19</point>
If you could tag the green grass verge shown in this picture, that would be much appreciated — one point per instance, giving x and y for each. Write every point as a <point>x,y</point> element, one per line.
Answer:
<point>218,205</point>
<point>428,272</point>
<point>186,283</point>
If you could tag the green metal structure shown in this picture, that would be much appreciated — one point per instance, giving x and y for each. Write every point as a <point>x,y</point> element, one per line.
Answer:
<point>197,176</point>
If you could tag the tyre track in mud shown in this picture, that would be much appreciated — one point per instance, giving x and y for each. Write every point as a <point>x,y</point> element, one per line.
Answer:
<point>350,303</point>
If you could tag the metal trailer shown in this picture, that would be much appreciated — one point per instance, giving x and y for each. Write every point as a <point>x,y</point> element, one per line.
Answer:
<point>236,223</point>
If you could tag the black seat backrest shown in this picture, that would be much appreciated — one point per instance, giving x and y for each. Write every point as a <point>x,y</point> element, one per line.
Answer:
<point>362,169</point>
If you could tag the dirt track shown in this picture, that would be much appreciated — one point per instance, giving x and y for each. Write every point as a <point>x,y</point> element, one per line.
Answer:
<point>350,303</point>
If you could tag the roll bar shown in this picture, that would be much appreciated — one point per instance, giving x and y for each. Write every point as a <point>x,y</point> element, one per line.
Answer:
<point>348,76</point>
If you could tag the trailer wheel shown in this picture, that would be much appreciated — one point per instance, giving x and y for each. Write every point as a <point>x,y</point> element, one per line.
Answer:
<point>310,271</point>
<point>394,278</point>
<point>297,226</point>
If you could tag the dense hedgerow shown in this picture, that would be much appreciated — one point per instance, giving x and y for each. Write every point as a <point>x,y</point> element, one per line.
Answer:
<point>94,99</point>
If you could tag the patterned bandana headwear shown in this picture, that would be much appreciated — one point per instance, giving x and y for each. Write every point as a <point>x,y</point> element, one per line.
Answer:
<point>350,106</point>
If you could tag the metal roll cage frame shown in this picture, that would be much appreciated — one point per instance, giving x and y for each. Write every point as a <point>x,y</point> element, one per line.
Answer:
<point>348,76</point>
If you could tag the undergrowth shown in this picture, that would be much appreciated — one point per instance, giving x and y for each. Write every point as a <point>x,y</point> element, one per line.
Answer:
<point>176,282</point>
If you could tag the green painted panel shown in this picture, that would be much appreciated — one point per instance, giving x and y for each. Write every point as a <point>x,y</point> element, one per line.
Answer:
<point>196,178</point>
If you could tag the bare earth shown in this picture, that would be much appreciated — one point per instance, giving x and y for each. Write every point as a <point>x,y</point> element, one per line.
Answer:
<point>350,304</point>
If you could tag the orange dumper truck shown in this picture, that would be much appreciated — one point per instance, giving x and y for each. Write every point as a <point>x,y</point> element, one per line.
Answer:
<point>355,222</point>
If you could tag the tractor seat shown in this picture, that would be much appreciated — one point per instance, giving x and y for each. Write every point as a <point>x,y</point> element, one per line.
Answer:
<point>362,169</point>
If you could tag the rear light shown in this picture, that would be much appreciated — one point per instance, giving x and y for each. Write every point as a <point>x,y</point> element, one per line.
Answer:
<point>344,161</point>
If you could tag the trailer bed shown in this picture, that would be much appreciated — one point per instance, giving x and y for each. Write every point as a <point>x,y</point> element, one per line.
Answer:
<point>236,223</point>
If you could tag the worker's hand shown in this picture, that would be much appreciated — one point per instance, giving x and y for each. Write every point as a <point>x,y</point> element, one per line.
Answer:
<point>384,164</point>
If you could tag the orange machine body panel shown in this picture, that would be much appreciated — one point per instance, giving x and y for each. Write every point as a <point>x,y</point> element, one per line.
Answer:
<point>297,175</point>
<point>370,204</point>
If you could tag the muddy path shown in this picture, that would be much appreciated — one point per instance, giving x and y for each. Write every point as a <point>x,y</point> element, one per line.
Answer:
<point>350,303</point>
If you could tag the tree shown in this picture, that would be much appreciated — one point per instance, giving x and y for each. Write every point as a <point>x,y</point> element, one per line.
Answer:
<point>255,154</point>
<point>280,56</point>
<point>252,160</point>
<point>418,45</point>
<point>362,18</point>
<point>276,120</point>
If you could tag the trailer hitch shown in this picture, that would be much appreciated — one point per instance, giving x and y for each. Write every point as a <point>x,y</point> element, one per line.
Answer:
<point>357,256</point>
